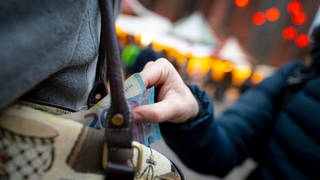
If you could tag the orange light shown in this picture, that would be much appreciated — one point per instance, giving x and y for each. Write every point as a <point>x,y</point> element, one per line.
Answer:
<point>241,3</point>
<point>179,57</point>
<point>198,66</point>
<point>240,74</point>
<point>294,7</point>
<point>302,40</point>
<point>217,75</point>
<point>219,69</point>
<point>272,14</point>
<point>137,38</point>
<point>299,18</point>
<point>157,46</point>
<point>227,66</point>
<point>289,33</point>
<point>257,77</point>
<point>258,18</point>
<point>119,31</point>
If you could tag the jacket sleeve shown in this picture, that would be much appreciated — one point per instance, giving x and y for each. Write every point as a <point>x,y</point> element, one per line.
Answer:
<point>215,145</point>
<point>37,40</point>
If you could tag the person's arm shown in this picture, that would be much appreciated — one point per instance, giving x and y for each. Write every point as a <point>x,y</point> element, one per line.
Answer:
<point>208,145</point>
<point>215,145</point>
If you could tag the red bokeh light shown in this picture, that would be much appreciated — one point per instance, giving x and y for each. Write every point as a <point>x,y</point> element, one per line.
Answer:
<point>289,33</point>
<point>272,14</point>
<point>258,18</point>
<point>241,3</point>
<point>294,7</point>
<point>299,18</point>
<point>302,40</point>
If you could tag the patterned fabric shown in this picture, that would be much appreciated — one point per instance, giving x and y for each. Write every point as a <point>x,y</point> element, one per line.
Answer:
<point>25,157</point>
<point>38,145</point>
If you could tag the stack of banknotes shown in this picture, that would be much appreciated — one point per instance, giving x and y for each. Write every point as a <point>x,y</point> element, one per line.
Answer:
<point>136,95</point>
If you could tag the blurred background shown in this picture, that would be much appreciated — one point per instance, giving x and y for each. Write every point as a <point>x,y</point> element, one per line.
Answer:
<point>224,46</point>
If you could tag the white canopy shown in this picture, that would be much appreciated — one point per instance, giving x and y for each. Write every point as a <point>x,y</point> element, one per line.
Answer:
<point>196,29</point>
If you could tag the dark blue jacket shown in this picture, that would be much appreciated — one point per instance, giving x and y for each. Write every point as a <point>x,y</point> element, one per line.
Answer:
<point>285,142</point>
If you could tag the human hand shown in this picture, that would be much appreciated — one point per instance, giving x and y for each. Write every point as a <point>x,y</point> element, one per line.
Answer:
<point>175,102</point>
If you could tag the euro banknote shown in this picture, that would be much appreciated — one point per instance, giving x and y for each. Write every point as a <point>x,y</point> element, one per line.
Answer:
<point>136,95</point>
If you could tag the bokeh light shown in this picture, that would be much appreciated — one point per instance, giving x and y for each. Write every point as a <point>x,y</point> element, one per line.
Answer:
<point>198,66</point>
<point>240,74</point>
<point>257,77</point>
<point>259,18</point>
<point>299,18</point>
<point>272,14</point>
<point>241,3</point>
<point>302,40</point>
<point>219,69</point>
<point>289,33</point>
<point>294,7</point>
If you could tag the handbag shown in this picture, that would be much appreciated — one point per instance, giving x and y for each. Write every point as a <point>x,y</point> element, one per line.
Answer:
<point>35,143</point>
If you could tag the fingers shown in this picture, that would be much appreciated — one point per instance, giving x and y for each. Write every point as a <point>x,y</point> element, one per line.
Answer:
<point>175,102</point>
<point>155,113</point>
<point>155,73</point>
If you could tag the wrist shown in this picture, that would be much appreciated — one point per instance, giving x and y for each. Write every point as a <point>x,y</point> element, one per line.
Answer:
<point>195,108</point>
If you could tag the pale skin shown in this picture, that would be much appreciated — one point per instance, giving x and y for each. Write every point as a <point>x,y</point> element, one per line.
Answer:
<point>175,103</point>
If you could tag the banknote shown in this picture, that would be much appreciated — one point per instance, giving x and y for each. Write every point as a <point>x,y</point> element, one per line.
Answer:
<point>136,95</point>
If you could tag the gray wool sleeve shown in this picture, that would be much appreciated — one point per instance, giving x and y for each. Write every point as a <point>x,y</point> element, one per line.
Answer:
<point>48,49</point>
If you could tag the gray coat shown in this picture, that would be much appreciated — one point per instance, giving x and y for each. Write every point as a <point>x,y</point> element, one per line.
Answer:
<point>48,49</point>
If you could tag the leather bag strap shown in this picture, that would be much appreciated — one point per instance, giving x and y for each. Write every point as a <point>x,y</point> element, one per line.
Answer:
<point>118,133</point>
